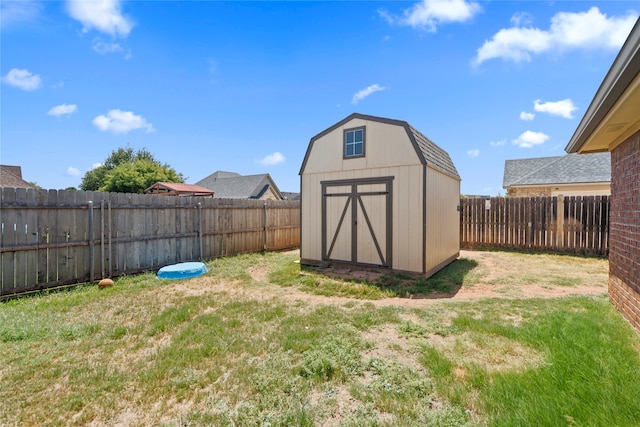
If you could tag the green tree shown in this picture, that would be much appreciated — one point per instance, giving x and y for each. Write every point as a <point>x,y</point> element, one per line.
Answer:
<point>126,171</point>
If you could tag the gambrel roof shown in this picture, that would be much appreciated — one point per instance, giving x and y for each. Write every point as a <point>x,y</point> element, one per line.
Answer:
<point>569,169</point>
<point>427,151</point>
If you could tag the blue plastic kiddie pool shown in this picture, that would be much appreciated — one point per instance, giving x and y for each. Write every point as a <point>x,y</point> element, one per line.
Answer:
<point>183,270</point>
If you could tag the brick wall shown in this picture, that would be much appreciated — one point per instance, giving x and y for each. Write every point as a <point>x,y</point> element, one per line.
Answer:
<point>624,230</point>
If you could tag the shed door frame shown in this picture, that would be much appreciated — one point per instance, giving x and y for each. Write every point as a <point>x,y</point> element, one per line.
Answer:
<point>354,203</point>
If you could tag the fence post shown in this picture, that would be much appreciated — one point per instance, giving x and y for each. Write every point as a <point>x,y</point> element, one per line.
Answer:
<point>200,228</point>
<point>102,269</point>
<point>109,226</point>
<point>560,222</point>
<point>264,221</point>
<point>91,244</point>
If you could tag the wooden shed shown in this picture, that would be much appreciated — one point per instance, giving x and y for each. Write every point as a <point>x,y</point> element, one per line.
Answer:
<point>377,192</point>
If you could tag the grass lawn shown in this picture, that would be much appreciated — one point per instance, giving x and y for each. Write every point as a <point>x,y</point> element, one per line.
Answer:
<point>259,342</point>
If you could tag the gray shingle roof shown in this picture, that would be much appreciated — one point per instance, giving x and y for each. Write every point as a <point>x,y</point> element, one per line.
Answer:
<point>289,195</point>
<point>434,155</point>
<point>569,169</point>
<point>230,185</point>
<point>11,176</point>
<point>428,152</point>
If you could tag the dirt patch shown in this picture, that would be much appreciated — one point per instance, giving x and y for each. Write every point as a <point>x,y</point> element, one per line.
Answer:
<point>258,272</point>
<point>389,345</point>
<point>497,275</point>
<point>491,279</point>
<point>334,404</point>
<point>493,353</point>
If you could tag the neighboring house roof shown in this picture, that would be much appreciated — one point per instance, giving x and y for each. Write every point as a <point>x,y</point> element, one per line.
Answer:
<point>230,185</point>
<point>223,174</point>
<point>612,116</point>
<point>171,188</point>
<point>428,152</point>
<point>11,176</point>
<point>569,169</point>
<point>288,195</point>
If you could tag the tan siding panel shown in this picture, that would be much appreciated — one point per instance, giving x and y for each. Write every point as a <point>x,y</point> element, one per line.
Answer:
<point>372,223</point>
<point>311,217</point>
<point>385,145</point>
<point>443,218</point>
<point>407,219</point>
<point>338,232</point>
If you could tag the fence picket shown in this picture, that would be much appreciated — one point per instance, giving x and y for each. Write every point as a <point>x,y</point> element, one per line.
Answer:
<point>559,224</point>
<point>45,240</point>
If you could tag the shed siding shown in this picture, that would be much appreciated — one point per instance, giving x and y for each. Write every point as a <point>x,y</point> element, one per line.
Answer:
<point>443,219</point>
<point>389,151</point>
<point>327,152</point>
<point>406,212</point>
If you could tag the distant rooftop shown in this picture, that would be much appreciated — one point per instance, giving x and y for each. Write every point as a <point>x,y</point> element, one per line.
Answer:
<point>11,176</point>
<point>231,185</point>
<point>569,169</point>
<point>172,188</point>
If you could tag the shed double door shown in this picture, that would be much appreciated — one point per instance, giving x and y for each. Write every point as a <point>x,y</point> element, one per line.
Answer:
<point>356,221</point>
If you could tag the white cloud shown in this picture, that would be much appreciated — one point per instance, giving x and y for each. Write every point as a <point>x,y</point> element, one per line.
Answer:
<point>498,143</point>
<point>564,108</point>
<point>95,166</point>
<point>103,48</point>
<point>272,159</point>
<point>530,139</point>
<point>428,14</point>
<point>583,30</point>
<point>63,110</point>
<point>366,92</point>
<point>106,48</point>
<point>119,121</point>
<point>527,116</point>
<point>473,153</point>
<point>104,16</point>
<point>22,79</point>
<point>14,12</point>
<point>521,18</point>
<point>71,171</point>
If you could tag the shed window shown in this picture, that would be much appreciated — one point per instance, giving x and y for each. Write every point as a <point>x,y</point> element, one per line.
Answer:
<point>354,143</point>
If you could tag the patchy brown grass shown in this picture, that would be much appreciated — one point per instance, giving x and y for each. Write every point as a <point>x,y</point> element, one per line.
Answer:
<point>226,348</point>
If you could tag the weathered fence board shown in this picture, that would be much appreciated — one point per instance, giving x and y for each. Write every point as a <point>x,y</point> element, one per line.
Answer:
<point>54,238</point>
<point>577,225</point>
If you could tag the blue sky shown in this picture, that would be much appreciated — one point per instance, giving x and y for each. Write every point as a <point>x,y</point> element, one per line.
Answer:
<point>243,86</point>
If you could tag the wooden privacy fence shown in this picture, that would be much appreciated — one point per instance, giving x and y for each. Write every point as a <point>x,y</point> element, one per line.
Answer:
<point>54,238</point>
<point>578,225</point>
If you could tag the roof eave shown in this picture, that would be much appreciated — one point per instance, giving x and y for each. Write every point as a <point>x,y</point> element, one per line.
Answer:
<point>623,71</point>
